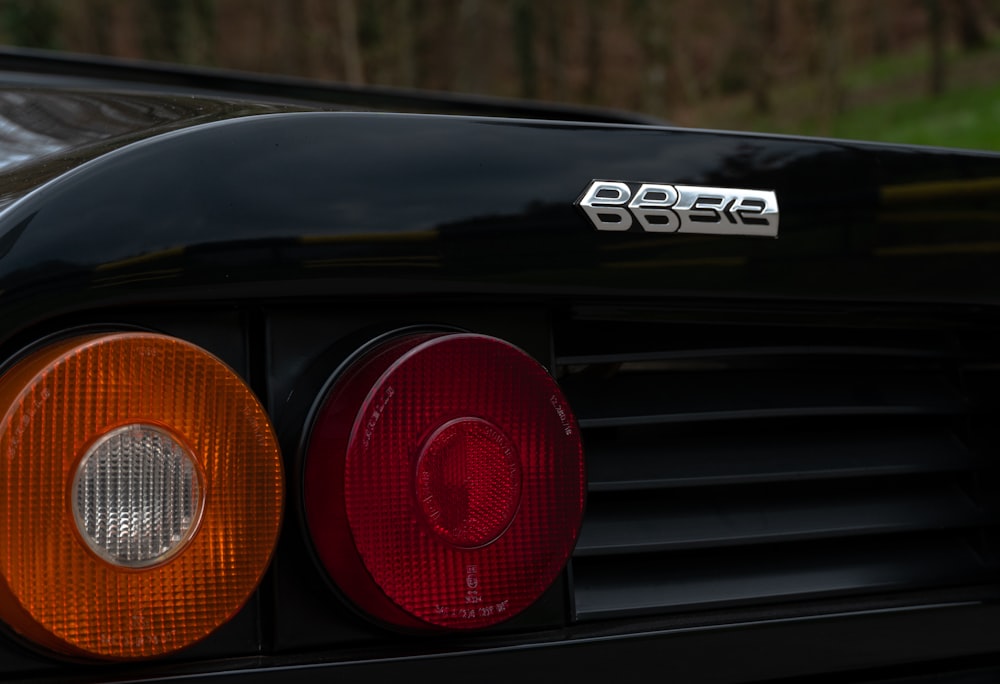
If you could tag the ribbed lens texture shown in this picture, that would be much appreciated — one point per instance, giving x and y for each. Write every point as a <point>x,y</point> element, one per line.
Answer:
<point>463,483</point>
<point>435,581</point>
<point>469,482</point>
<point>69,400</point>
<point>137,496</point>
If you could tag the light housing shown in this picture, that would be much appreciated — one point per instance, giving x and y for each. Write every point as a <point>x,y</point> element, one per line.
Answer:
<point>443,481</point>
<point>141,493</point>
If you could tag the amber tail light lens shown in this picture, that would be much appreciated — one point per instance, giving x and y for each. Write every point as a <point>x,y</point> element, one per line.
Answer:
<point>444,481</point>
<point>141,492</point>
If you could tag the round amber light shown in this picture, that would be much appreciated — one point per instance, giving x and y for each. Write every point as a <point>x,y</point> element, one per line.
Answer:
<point>141,491</point>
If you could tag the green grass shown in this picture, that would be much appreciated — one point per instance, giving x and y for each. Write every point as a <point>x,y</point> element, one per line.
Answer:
<point>877,72</point>
<point>959,118</point>
<point>886,100</point>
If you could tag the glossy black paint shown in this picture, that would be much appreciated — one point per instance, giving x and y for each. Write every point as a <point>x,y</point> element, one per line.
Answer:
<point>352,204</point>
<point>45,133</point>
<point>222,227</point>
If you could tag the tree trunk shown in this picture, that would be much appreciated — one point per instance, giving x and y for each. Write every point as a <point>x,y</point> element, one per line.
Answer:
<point>524,46</point>
<point>553,13</point>
<point>829,15</point>
<point>469,70</point>
<point>763,20</point>
<point>592,54</point>
<point>405,53</point>
<point>31,23</point>
<point>973,26</point>
<point>651,19</point>
<point>350,49</point>
<point>881,26</point>
<point>936,28</point>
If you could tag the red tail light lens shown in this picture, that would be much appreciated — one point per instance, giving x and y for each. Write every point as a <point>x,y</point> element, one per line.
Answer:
<point>141,491</point>
<point>444,481</point>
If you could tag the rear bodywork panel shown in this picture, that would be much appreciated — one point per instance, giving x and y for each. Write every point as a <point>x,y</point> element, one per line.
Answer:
<point>765,371</point>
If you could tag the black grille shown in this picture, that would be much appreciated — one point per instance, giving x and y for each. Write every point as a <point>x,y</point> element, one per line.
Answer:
<point>737,463</point>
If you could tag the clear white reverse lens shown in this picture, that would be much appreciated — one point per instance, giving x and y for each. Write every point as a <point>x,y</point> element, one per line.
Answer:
<point>137,496</point>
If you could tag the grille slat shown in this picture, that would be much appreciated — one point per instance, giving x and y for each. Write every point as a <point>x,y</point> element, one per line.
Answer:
<point>722,518</point>
<point>733,463</point>
<point>606,588</point>
<point>749,352</point>
<point>639,462</point>
<point>646,398</point>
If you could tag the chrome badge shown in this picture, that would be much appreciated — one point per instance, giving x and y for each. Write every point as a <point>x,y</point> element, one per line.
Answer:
<point>662,208</point>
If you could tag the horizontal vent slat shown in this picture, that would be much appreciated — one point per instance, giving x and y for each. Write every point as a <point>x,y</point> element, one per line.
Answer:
<point>609,588</point>
<point>785,352</point>
<point>631,524</point>
<point>608,333</point>
<point>642,399</point>
<point>638,462</point>
<point>751,456</point>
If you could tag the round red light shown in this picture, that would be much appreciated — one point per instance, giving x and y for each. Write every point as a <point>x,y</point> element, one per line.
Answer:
<point>468,482</point>
<point>444,481</point>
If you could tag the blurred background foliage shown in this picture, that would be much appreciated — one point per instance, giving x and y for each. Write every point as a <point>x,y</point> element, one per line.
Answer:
<point>917,71</point>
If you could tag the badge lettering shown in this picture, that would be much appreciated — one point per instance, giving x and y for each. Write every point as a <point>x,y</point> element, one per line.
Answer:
<point>665,208</point>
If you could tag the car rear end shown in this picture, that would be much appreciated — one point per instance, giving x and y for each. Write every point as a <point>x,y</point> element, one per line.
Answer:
<point>788,439</point>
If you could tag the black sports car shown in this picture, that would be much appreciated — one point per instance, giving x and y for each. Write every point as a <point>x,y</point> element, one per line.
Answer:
<point>296,385</point>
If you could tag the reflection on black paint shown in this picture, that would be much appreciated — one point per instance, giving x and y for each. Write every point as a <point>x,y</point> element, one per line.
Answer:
<point>344,203</point>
